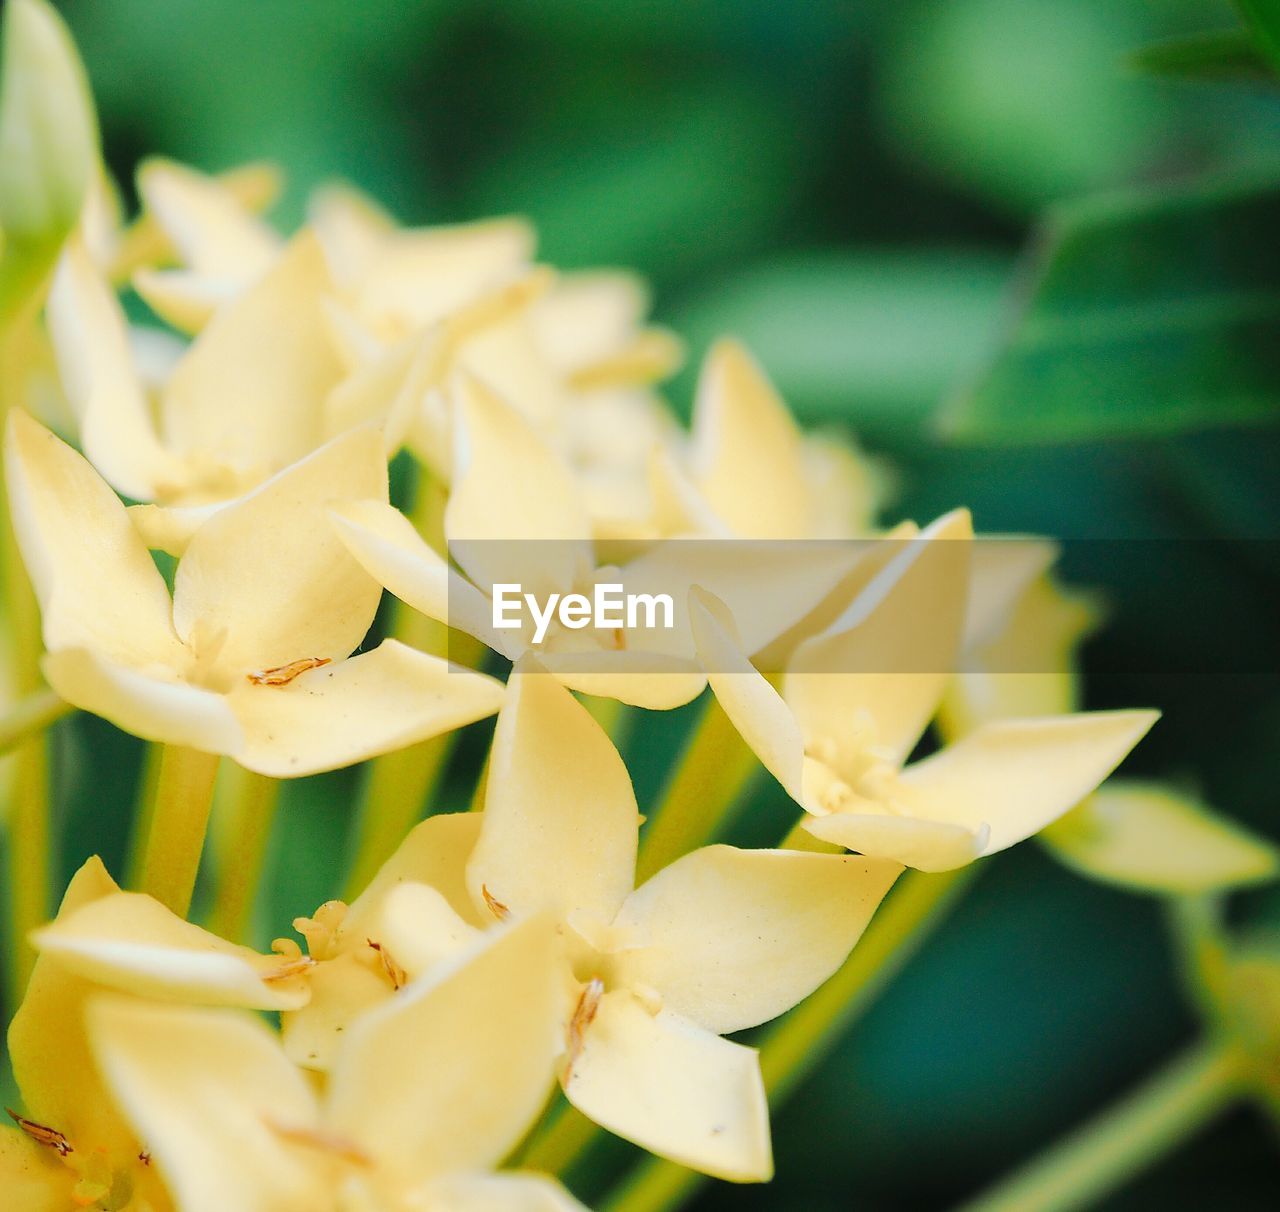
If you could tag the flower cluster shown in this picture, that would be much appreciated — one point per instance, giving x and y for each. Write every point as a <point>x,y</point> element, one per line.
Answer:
<point>424,1026</point>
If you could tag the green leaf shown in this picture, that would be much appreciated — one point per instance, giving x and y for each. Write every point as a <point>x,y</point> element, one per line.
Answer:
<point>1230,54</point>
<point>1147,313</point>
<point>875,339</point>
<point>1146,837</point>
<point>1263,19</point>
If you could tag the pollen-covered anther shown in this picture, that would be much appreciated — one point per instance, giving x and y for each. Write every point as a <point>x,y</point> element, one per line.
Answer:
<point>324,1142</point>
<point>395,974</point>
<point>288,969</point>
<point>51,1138</point>
<point>496,907</point>
<point>282,675</point>
<point>583,1016</point>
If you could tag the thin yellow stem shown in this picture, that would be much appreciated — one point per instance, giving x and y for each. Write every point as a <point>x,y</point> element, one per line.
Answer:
<point>801,1040</point>
<point>144,807</point>
<point>31,715</point>
<point>1126,1138</point>
<point>243,813</point>
<point>30,843</point>
<point>176,831</point>
<point>711,774</point>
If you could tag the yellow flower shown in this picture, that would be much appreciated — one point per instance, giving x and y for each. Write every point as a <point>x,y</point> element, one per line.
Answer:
<point>72,1146</point>
<point>516,516</point>
<point>659,972</point>
<point>752,473</point>
<point>1028,666</point>
<point>428,1093</point>
<point>221,244</point>
<point>48,132</point>
<point>244,401</point>
<point>250,655</point>
<point>857,697</point>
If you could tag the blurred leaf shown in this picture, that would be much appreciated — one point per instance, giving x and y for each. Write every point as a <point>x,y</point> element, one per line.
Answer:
<point>1215,55</point>
<point>1148,313</point>
<point>1022,101</point>
<point>871,338</point>
<point>1263,19</point>
<point>665,179</point>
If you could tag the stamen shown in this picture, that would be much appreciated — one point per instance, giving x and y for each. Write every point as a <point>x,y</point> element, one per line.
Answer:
<point>395,974</point>
<point>496,907</point>
<point>282,675</point>
<point>584,1014</point>
<point>49,1137</point>
<point>289,969</point>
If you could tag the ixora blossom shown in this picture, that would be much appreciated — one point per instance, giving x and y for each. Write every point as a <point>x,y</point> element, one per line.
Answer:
<point>856,698</point>
<point>72,1146</point>
<point>427,1094</point>
<point>515,516</point>
<point>250,657</point>
<point>658,974</point>
<point>749,471</point>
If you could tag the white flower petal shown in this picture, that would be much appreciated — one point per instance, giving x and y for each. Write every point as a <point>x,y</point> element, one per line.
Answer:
<point>91,342</point>
<point>449,1073</point>
<point>757,710</point>
<point>514,513</point>
<point>889,657</point>
<point>736,937</point>
<point>209,1092</point>
<point>748,455</point>
<point>674,1089</point>
<point>1015,776</point>
<point>272,573</point>
<point>926,845</point>
<point>355,709</point>
<point>155,708</point>
<point>1148,837</point>
<point>560,822</point>
<point>131,942</point>
<point>385,542</point>
<point>250,390</point>
<point>96,582</point>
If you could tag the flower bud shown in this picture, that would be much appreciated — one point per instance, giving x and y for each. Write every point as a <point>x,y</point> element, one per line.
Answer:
<point>48,131</point>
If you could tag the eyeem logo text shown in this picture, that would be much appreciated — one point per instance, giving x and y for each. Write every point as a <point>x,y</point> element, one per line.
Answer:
<point>609,608</point>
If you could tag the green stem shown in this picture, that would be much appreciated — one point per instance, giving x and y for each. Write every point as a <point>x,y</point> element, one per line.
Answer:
<point>244,812</point>
<point>804,1038</point>
<point>712,772</point>
<point>176,831</point>
<point>31,715</point>
<point>1126,1138</point>
<point>398,785</point>
<point>563,1137</point>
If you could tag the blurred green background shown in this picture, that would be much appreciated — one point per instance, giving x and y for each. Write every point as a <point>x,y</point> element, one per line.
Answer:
<point>849,186</point>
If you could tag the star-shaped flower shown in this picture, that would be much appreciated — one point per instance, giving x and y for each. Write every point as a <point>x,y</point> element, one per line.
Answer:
<point>516,516</point>
<point>856,698</point>
<point>72,1145</point>
<point>251,656</point>
<point>427,1094</point>
<point>658,973</point>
